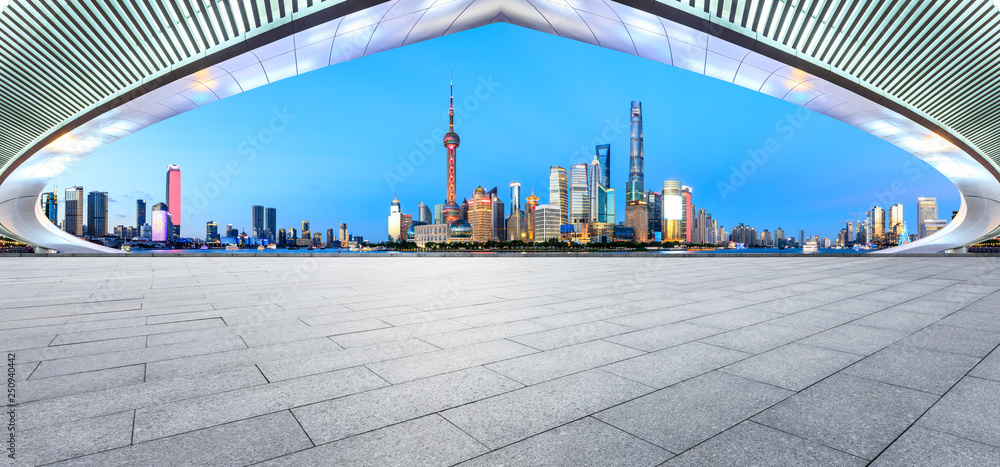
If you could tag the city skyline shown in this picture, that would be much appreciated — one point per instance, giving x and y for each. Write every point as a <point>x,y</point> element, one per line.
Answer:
<point>330,190</point>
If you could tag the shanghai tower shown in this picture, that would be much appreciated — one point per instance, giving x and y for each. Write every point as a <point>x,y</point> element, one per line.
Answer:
<point>635,203</point>
<point>451,212</point>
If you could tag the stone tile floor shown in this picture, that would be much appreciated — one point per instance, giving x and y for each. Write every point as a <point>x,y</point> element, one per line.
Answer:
<point>504,361</point>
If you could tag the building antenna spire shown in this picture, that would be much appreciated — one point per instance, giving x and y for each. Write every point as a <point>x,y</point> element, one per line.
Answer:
<point>451,101</point>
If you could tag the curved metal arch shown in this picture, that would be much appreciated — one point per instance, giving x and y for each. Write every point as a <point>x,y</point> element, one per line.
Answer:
<point>714,41</point>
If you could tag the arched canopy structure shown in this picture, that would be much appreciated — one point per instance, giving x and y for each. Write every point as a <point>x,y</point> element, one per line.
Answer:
<point>75,76</point>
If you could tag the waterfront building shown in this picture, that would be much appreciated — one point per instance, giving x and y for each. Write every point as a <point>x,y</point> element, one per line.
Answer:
<point>594,185</point>
<point>140,213</point>
<point>451,210</point>
<point>849,231</point>
<point>344,236</point>
<point>687,219</point>
<point>407,222</point>
<point>97,213</point>
<point>430,233</point>
<point>603,154</point>
<point>895,223</point>
<point>655,207</point>
<point>282,238</point>
<point>515,221</point>
<point>481,216</point>
<point>579,195</point>
<point>424,213</point>
<point>931,226</point>
<point>73,223</point>
<point>530,204</point>
<point>460,231</point>
<point>270,222</point>
<point>463,210</point>
<point>601,232</point>
<point>548,219</point>
<point>636,213</point>
<point>330,238</point>
<point>701,226</point>
<point>558,192</point>
<point>438,215</point>
<point>50,206</point>
<point>673,211</point>
<point>779,237</point>
<point>878,224</point>
<point>802,238</point>
<point>211,231</point>
<point>396,229</point>
<point>162,228</point>
<point>174,199</point>
<point>926,211</point>
<point>256,220</point>
<point>498,212</point>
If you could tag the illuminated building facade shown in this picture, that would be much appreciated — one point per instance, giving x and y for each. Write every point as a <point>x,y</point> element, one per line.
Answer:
<point>655,209</point>
<point>673,211</point>
<point>579,194</point>
<point>530,204</point>
<point>515,221</point>
<point>450,210</point>
<point>548,219</point>
<point>424,213</point>
<point>895,225</point>
<point>73,223</point>
<point>603,154</point>
<point>558,192</point>
<point>395,221</point>
<point>256,221</point>
<point>636,213</point>
<point>878,224</point>
<point>687,211</point>
<point>211,231</point>
<point>140,213</point>
<point>926,211</point>
<point>481,216</point>
<point>174,199</point>
<point>270,223</point>
<point>161,223</point>
<point>344,237</point>
<point>595,180</point>
<point>50,206</point>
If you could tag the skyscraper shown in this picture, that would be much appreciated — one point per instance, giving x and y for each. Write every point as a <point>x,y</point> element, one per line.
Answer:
<point>700,227</point>
<point>451,211</point>
<point>174,199</point>
<point>211,231</point>
<point>481,215</point>
<point>344,237</point>
<point>673,211</point>
<point>424,213</point>
<point>603,155</point>
<point>926,211</point>
<point>850,231</point>
<point>687,212</point>
<point>97,213</point>
<point>878,224</point>
<point>895,224</point>
<point>73,223</point>
<point>307,232</point>
<point>499,215</point>
<point>595,180</point>
<point>636,214</point>
<point>256,221</point>
<point>655,209</point>
<point>270,222</point>
<point>558,191</point>
<point>530,204</point>
<point>548,219</point>
<point>50,206</point>
<point>140,213</point>
<point>395,221</point>
<point>161,223</point>
<point>579,196</point>
<point>515,221</point>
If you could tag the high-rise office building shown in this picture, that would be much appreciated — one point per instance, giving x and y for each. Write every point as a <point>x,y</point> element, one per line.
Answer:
<point>329,238</point>
<point>162,228</point>
<point>700,227</point>
<point>270,222</point>
<point>609,206</point>
<point>140,213</point>
<point>97,213</point>
<point>50,206</point>
<point>451,210</point>
<point>498,210</point>
<point>515,221</point>
<point>579,196</point>
<point>673,211</point>
<point>595,179</point>
<point>395,221</point>
<point>926,211</point>
<point>878,224</point>
<point>438,216</point>
<point>603,156</point>
<point>802,238</point>
<point>687,222</point>
<point>850,231</point>
<point>174,199</point>
<point>211,231</point>
<point>895,223</point>
<point>344,236</point>
<point>530,204</point>
<point>779,237</point>
<point>558,191</point>
<point>481,215</point>
<point>655,208</point>
<point>73,223</point>
<point>307,232</point>
<point>424,213</point>
<point>548,219</point>
<point>636,213</point>
<point>256,221</point>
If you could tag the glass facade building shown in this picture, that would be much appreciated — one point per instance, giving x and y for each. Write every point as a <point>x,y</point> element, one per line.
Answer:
<point>559,192</point>
<point>73,223</point>
<point>97,214</point>
<point>173,198</point>
<point>579,194</point>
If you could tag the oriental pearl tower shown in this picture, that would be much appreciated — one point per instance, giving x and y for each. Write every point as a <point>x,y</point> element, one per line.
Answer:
<point>450,211</point>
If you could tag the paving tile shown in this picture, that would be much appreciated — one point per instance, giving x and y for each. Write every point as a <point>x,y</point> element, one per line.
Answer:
<point>915,368</point>
<point>752,444</point>
<point>983,321</point>
<point>235,444</point>
<point>680,417</point>
<point>429,440</point>
<point>897,320</point>
<point>359,339</point>
<point>585,442</point>
<point>445,361</point>
<point>671,366</point>
<point>58,386</point>
<point>483,334</point>
<point>854,415</point>
<point>543,366</point>
<point>853,338</point>
<point>507,418</point>
<point>923,447</point>
<point>758,338</point>
<point>957,340</point>
<point>814,320</point>
<point>988,368</point>
<point>227,359</point>
<point>569,335</point>
<point>653,318</point>
<point>793,366</point>
<point>969,411</point>
<point>56,352</point>
<point>116,333</point>
<point>163,420</point>
<point>347,416</point>
<point>314,363</point>
<point>735,319</point>
<point>73,439</point>
<point>662,337</point>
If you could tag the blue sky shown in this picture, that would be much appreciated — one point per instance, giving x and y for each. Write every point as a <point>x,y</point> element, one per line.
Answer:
<point>353,134</point>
